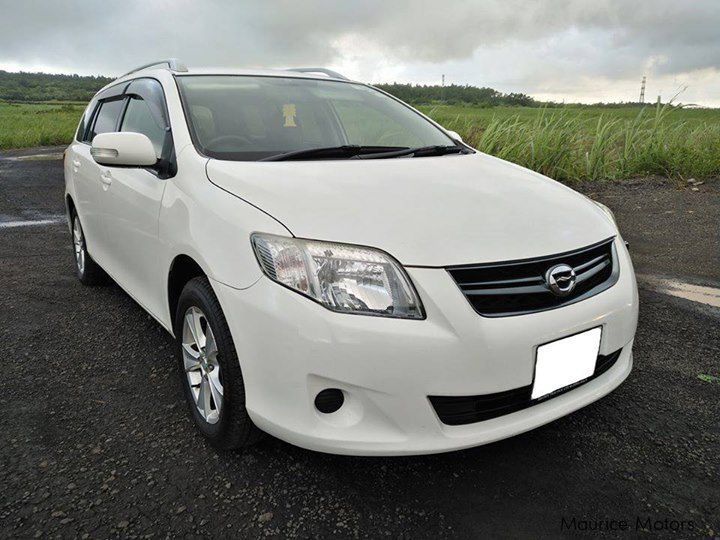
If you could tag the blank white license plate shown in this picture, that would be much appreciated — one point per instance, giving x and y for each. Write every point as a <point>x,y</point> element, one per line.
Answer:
<point>565,362</point>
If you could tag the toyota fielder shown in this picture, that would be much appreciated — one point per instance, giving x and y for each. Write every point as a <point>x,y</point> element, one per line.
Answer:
<point>339,270</point>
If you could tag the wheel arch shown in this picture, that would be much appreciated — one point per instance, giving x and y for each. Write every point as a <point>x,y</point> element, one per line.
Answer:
<point>183,268</point>
<point>70,209</point>
<point>69,204</point>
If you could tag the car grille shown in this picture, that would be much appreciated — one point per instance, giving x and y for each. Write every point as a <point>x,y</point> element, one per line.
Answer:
<point>461,410</point>
<point>519,287</point>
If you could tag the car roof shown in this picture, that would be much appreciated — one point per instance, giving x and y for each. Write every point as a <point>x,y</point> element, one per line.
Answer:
<point>179,70</point>
<point>258,72</point>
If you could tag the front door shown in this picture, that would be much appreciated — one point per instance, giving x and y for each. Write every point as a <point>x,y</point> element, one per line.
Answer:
<point>133,199</point>
<point>90,186</point>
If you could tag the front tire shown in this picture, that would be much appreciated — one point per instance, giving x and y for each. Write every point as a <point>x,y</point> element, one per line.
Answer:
<point>87,270</point>
<point>209,369</point>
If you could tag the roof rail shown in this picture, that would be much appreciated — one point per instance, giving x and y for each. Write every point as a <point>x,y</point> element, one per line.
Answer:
<point>173,64</point>
<point>328,72</point>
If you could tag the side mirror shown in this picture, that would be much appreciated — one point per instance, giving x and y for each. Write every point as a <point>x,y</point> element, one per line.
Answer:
<point>455,135</point>
<point>123,148</point>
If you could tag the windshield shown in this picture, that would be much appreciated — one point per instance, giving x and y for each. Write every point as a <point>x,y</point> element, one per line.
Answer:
<point>247,118</point>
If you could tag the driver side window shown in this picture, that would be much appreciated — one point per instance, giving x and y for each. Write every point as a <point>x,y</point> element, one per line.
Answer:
<point>140,119</point>
<point>106,117</point>
<point>146,113</point>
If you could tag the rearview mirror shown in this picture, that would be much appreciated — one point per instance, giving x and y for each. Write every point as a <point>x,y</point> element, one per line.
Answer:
<point>455,135</point>
<point>126,148</point>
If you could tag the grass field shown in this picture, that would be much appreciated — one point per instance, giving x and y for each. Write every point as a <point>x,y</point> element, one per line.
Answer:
<point>25,125</point>
<point>569,143</point>
<point>592,143</point>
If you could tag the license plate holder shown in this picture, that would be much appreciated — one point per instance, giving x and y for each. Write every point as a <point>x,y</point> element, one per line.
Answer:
<point>565,362</point>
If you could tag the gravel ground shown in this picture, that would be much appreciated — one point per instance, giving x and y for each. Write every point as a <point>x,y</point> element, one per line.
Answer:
<point>672,229</point>
<point>96,440</point>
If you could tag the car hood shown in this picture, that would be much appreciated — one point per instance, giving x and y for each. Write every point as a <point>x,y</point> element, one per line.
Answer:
<point>430,211</point>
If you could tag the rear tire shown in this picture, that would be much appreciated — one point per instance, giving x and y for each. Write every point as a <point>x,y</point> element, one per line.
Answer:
<point>209,369</point>
<point>87,270</point>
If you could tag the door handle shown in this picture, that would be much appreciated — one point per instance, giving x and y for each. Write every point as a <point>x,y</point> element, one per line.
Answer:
<point>106,178</point>
<point>76,163</point>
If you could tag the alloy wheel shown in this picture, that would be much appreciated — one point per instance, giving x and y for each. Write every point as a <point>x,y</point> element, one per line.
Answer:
<point>79,245</point>
<point>200,358</point>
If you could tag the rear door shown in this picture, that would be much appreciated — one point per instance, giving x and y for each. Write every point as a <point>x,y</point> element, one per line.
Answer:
<point>131,205</point>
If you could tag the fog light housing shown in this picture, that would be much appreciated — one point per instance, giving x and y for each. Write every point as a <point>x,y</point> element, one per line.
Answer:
<point>329,400</point>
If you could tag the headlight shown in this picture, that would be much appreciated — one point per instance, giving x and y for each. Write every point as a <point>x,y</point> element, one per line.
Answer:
<point>607,211</point>
<point>341,277</point>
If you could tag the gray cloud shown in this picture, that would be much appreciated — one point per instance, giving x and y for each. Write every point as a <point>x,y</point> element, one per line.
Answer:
<point>534,44</point>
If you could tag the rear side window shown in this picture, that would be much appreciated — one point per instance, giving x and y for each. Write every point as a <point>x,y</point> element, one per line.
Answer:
<point>80,135</point>
<point>106,118</point>
<point>140,119</point>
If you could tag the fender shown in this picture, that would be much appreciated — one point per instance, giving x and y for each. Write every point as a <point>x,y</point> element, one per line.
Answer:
<point>211,226</point>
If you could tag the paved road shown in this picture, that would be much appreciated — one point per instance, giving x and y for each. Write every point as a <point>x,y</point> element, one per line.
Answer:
<point>95,439</point>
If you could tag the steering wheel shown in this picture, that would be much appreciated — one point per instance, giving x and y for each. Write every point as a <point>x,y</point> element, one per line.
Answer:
<point>244,141</point>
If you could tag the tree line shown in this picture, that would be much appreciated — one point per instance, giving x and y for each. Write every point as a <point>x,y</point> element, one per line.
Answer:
<point>32,87</point>
<point>26,87</point>
<point>455,94</point>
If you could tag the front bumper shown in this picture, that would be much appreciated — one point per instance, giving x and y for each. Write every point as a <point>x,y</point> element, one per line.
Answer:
<point>291,348</point>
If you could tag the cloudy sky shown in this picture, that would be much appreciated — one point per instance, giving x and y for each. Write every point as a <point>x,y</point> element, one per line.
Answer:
<point>572,50</point>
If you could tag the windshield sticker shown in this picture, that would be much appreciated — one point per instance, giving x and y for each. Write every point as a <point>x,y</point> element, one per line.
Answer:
<point>289,112</point>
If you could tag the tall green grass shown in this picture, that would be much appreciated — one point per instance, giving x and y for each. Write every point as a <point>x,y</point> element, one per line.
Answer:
<point>23,125</point>
<point>567,146</point>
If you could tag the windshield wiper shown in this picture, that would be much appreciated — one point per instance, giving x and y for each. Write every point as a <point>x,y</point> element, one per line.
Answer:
<point>345,151</point>
<point>421,151</point>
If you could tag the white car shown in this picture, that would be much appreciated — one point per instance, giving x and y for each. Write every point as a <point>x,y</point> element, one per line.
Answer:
<point>339,270</point>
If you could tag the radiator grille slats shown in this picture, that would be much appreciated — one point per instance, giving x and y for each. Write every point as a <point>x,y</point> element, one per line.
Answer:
<point>518,287</point>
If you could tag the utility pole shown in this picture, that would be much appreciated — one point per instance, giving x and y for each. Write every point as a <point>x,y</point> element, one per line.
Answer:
<point>442,89</point>
<point>642,91</point>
